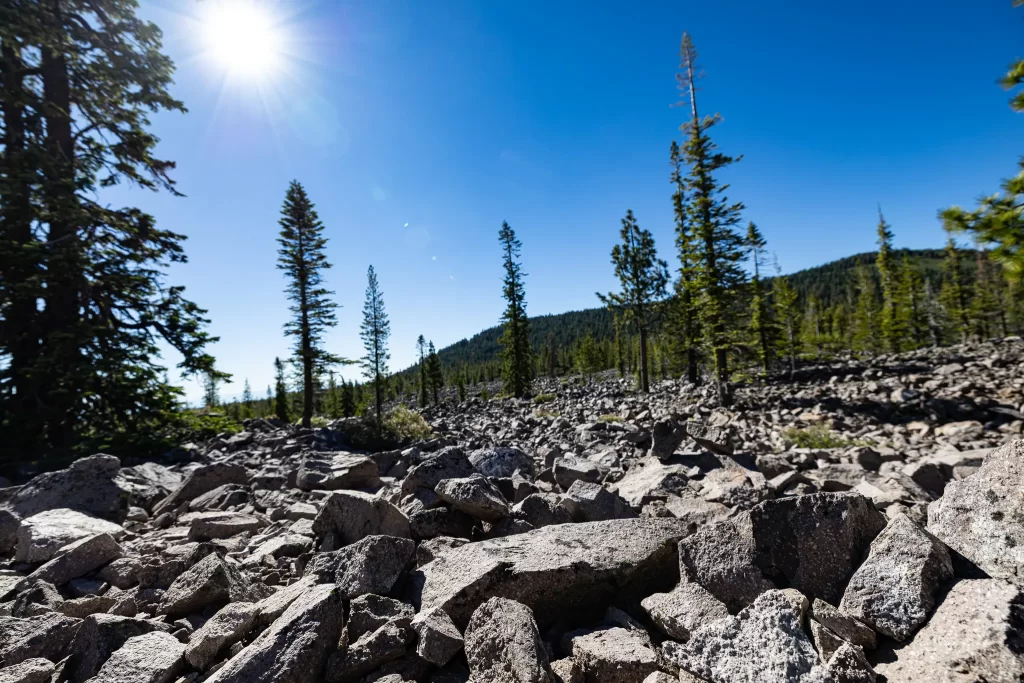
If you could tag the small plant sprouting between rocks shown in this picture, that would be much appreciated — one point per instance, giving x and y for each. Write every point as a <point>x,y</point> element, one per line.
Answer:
<point>818,436</point>
<point>610,418</point>
<point>540,399</point>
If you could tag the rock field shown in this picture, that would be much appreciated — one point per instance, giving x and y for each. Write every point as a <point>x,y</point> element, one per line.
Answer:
<point>860,521</point>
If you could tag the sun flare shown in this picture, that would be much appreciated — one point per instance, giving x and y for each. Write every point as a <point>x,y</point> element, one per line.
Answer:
<point>243,37</point>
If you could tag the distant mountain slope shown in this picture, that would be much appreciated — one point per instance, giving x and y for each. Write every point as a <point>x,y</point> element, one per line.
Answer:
<point>830,282</point>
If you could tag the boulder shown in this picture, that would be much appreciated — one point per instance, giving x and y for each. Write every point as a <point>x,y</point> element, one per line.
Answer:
<point>337,471</point>
<point>666,437</point>
<point>894,589</point>
<point>982,517</point>
<point>474,496</point>
<point>503,644</point>
<point>973,635</point>
<point>557,571</point>
<point>202,480</point>
<point>683,610</point>
<point>78,559</point>
<point>216,525</point>
<point>147,483</point>
<point>437,637</point>
<point>814,543</point>
<point>447,463</point>
<point>570,469</point>
<point>225,628</point>
<point>42,535</point>
<point>9,523</point>
<point>849,665</point>
<point>47,636</point>
<point>721,559</point>
<point>614,655</point>
<point>348,516</point>
<point>369,612</point>
<point>765,642</point>
<point>371,565</point>
<point>295,647</point>
<point>501,461</point>
<point>36,670</point>
<point>539,510</point>
<point>212,581</point>
<point>650,479</point>
<point>588,502</point>
<point>843,625</point>
<point>97,638</point>
<point>386,644</point>
<point>88,486</point>
<point>151,658</point>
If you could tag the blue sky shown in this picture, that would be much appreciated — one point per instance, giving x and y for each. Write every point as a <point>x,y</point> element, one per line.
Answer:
<point>418,127</point>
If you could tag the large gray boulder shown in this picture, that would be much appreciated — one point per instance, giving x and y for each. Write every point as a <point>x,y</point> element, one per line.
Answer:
<point>650,479</point>
<point>721,558</point>
<point>151,658</point>
<point>474,496</point>
<point>765,642</point>
<point>42,535</point>
<point>501,461</point>
<point>503,644</point>
<point>78,559</point>
<point>974,635</point>
<point>982,517</point>
<point>348,516</point>
<point>447,463</point>
<point>147,483</point>
<point>202,480</point>
<point>814,543</point>
<point>225,628</point>
<point>894,590</point>
<point>558,571</point>
<point>614,655</point>
<point>371,565</point>
<point>98,637</point>
<point>295,647</point>
<point>437,637</point>
<point>88,485</point>
<point>337,471</point>
<point>588,502</point>
<point>36,670</point>
<point>211,581</point>
<point>683,610</point>
<point>48,635</point>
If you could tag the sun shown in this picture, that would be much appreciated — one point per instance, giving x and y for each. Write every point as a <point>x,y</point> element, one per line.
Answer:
<point>243,37</point>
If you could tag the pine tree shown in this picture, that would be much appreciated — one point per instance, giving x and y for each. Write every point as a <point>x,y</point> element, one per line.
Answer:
<point>434,374</point>
<point>787,312</point>
<point>517,366</point>
<point>717,247</point>
<point>421,347</point>
<point>333,398</point>
<point>348,399</point>
<point>987,307</point>
<point>84,305</point>
<point>890,319</point>
<point>761,324</point>
<point>247,400</point>
<point>211,394</point>
<point>811,336</point>
<point>643,278</point>
<point>953,295</point>
<point>588,356</point>
<point>865,314</point>
<point>683,321</point>
<point>302,256</point>
<point>280,392</point>
<point>911,303</point>
<point>375,332</point>
<point>460,384</point>
<point>552,355</point>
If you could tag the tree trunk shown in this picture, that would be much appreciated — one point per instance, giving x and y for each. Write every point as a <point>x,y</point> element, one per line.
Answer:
<point>644,382</point>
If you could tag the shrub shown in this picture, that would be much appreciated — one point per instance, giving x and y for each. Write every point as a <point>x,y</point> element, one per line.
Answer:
<point>189,426</point>
<point>540,399</point>
<point>817,436</point>
<point>404,425</point>
<point>610,418</point>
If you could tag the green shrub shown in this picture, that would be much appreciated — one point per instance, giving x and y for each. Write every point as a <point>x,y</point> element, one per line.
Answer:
<point>817,436</point>
<point>540,399</point>
<point>318,422</point>
<point>547,413</point>
<point>189,426</point>
<point>610,418</point>
<point>485,395</point>
<point>404,425</point>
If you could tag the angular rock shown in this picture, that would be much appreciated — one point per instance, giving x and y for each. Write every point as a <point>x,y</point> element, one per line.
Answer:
<point>894,589</point>
<point>295,647</point>
<point>337,471</point>
<point>225,628</point>
<point>649,480</point>
<point>9,523</point>
<point>588,502</point>
<point>348,516</point>
<point>388,643</point>
<point>475,496</point>
<point>216,525</point>
<point>212,581</point>
<point>974,635</point>
<point>567,671</point>
<point>503,644</point>
<point>42,535</point>
<point>88,486</point>
<point>447,463</point>
<point>570,469</point>
<point>151,658</point>
<point>147,483</point>
<point>202,480</point>
<point>36,670</point>
<point>826,642</point>
<point>614,655</point>
<point>78,559</point>
<point>714,439</point>
<point>47,636</point>
<point>849,665</point>
<point>122,572</point>
<point>843,625</point>
<point>814,543</point>
<point>274,605</point>
<point>371,565</point>
<point>683,610</point>
<point>721,559</point>
<point>540,511</point>
<point>367,613</point>
<point>427,524</point>
<point>666,437</point>
<point>557,571</point>
<point>98,637</point>
<point>766,643</point>
<point>501,461</point>
<point>438,639</point>
<point>981,517</point>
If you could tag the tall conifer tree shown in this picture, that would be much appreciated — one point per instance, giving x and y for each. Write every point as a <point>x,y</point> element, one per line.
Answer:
<point>683,320</point>
<point>717,246</point>
<point>761,324</point>
<point>953,295</point>
<point>302,256</point>
<point>517,364</point>
<point>375,331</point>
<point>890,320</point>
<point>643,278</point>
<point>421,347</point>
<point>434,373</point>
<point>280,392</point>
